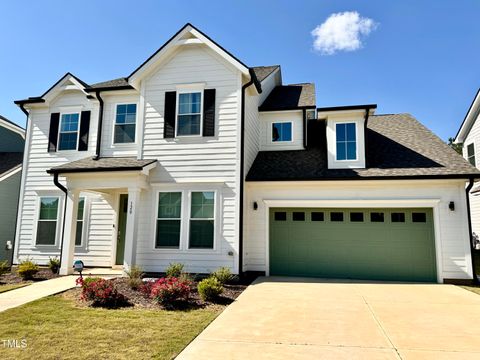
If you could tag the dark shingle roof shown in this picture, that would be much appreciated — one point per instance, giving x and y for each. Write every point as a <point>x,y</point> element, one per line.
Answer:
<point>11,122</point>
<point>398,146</point>
<point>288,97</point>
<point>262,72</point>
<point>102,164</point>
<point>10,161</point>
<point>120,82</point>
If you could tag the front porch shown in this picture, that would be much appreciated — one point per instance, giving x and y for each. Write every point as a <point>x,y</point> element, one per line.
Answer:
<point>120,184</point>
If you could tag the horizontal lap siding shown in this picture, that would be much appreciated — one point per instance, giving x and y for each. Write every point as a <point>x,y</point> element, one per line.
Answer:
<point>474,137</point>
<point>185,160</point>
<point>453,226</point>
<point>37,181</point>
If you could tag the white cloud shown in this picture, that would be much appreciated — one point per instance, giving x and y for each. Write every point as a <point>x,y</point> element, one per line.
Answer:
<point>342,32</point>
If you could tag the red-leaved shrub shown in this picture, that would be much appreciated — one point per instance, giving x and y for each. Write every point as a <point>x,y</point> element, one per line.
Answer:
<point>170,290</point>
<point>102,293</point>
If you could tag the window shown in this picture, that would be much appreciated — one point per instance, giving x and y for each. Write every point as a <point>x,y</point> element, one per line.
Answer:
<point>346,141</point>
<point>398,217</point>
<point>298,216</point>
<point>471,154</point>
<point>356,217</point>
<point>202,220</point>
<point>169,216</point>
<point>336,216</point>
<point>419,217</point>
<point>47,220</point>
<point>80,216</point>
<point>282,131</point>
<point>280,216</point>
<point>317,216</point>
<point>125,119</point>
<point>377,217</point>
<point>189,114</point>
<point>68,135</point>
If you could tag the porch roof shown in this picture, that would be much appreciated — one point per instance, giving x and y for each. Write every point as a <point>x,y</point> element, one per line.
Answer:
<point>102,164</point>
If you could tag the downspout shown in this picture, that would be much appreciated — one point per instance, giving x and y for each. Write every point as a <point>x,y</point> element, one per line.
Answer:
<point>470,233</point>
<point>22,107</point>
<point>100,125</point>
<point>367,114</point>
<point>305,124</point>
<point>242,174</point>
<point>65,191</point>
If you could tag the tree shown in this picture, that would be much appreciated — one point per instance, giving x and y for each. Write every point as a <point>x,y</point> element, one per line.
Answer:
<point>454,146</point>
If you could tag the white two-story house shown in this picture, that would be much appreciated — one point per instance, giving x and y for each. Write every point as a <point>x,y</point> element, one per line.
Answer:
<point>197,158</point>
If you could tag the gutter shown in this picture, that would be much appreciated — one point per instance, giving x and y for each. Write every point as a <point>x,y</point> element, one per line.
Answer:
<point>100,125</point>
<point>65,191</point>
<point>470,233</point>
<point>242,167</point>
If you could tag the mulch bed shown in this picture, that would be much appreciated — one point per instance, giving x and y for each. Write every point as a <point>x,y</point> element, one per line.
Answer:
<point>138,299</point>
<point>13,278</point>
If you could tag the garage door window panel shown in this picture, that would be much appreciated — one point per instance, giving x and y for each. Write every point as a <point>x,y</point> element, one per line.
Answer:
<point>398,217</point>
<point>356,216</point>
<point>419,217</point>
<point>336,216</point>
<point>377,217</point>
<point>298,216</point>
<point>317,216</point>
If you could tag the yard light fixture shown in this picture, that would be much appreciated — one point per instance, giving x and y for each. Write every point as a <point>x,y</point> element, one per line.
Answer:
<point>451,206</point>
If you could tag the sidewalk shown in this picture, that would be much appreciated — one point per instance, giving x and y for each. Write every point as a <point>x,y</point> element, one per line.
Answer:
<point>38,290</point>
<point>35,291</point>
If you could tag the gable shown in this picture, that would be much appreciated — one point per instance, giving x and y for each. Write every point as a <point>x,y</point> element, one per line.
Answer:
<point>186,37</point>
<point>469,120</point>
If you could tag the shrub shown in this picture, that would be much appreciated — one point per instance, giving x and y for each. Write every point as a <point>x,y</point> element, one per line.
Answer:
<point>135,275</point>
<point>4,267</point>
<point>209,288</point>
<point>174,270</point>
<point>169,291</point>
<point>102,293</point>
<point>223,275</point>
<point>146,287</point>
<point>27,268</point>
<point>54,264</point>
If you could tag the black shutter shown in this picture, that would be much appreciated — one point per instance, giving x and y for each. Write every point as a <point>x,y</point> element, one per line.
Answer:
<point>169,115</point>
<point>84,129</point>
<point>53,132</point>
<point>209,112</point>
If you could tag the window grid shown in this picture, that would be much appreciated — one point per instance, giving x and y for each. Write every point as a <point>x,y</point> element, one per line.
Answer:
<point>169,217</point>
<point>125,124</point>
<point>189,114</point>
<point>202,220</point>
<point>47,220</point>
<point>68,133</point>
<point>281,132</point>
<point>346,141</point>
<point>80,218</point>
<point>471,154</point>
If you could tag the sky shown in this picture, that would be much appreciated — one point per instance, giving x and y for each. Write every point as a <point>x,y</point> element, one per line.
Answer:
<point>417,57</point>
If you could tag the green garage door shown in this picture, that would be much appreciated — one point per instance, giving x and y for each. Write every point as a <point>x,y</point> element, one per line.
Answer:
<point>376,244</point>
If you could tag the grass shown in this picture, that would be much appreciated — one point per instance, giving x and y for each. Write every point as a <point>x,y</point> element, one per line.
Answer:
<point>55,328</point>
<point>8,287</point>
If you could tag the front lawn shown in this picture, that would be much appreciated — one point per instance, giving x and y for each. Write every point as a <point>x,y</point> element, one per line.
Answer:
<point>8,287</point>
<point>57,328</point>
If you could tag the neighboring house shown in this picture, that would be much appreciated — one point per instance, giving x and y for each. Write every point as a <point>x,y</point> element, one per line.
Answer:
<point>12,142</point>
<point>199,159</point>
<point>469,137</point>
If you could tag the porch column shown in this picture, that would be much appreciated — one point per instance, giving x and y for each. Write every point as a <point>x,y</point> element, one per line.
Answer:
<point>70,221</point>
<point>131,228</point>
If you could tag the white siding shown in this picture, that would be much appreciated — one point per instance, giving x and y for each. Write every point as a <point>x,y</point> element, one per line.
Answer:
<point>37,182</point>
<point>193,160</point>
<point>451,226</point>
<point>266,121</point>
<point>108,148</point>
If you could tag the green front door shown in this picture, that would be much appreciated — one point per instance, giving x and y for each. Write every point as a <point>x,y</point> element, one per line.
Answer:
<point>376,244</point>
<point>121,227</point>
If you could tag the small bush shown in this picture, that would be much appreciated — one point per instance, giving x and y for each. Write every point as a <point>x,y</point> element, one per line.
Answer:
<point>174,270</point>
<point>102,293</point>
<point>146,287</point>
<point>209,288</point>
<point>27,268</point>
<point>54,264</point>
<point>169,291</point>
<point>4,267</point>
<point>223,274</point>
<point>135,275</point>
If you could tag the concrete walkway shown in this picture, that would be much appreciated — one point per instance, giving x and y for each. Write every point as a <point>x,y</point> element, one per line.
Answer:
<point>296,318</point>
<point>38,290</point>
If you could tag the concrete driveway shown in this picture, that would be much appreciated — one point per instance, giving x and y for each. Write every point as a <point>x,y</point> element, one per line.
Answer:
<point>296,318</point>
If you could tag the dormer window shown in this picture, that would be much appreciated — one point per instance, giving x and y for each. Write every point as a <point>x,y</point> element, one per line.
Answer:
<point>68,134</point>
<point>281,131</point>
<point>346,140</point>
<point>189,114</point>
